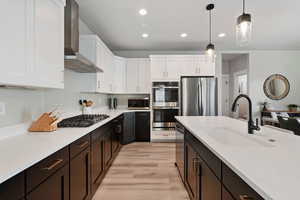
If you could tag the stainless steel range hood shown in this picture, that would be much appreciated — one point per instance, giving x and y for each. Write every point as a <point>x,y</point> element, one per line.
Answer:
<point>73,59</point>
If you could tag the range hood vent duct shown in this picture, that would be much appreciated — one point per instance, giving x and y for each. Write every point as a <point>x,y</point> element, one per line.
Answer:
<point>73,59</point>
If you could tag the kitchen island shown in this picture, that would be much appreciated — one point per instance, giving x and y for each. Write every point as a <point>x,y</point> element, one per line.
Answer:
<point>266,162</point>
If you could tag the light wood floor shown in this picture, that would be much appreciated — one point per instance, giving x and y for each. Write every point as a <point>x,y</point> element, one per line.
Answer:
<point>143,171</point>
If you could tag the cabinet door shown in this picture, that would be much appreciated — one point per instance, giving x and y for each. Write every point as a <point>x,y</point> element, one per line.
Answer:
<point>14,188</point>
<point>142,126</point>
<point>144,76</point>
<point>207,68</point>
<point>96,162</point>
<point>132,73</point>
<point>158,68</point>
<point>192,176</point>
<point>49,42</point>
<point>128,128</point>
<point>55,187</point>
<point>107,150</point>
<point>210,186</point>
<point>174,66</point>
<point>188,67</point>
<point>15,53</point>
<point>80,176</point>
<point>119,75</point>
<point>226,195</point>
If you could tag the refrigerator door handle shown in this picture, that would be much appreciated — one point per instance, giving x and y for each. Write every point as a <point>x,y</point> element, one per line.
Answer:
<point>200,104</point>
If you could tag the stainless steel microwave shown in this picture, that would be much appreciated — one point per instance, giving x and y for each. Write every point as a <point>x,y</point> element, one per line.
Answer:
<point>139,104</point>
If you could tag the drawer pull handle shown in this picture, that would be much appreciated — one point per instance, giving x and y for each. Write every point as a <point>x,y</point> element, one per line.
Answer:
<point>52,166</point>
<point>83,144</point>
<point>245,197</point>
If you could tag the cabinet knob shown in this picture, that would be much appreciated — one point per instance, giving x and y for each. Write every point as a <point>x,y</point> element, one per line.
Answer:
<point>245,197</point>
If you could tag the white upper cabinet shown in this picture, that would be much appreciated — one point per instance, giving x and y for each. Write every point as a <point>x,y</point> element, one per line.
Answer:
<point>144,83</point>
<point>158,67</point>
<point>138,76</point>
<point>32,43</point>
<point>119,85</point>
<point>132,73</point>
<point>172,67</point>
<point>166,67</point>
<point>49,42</point>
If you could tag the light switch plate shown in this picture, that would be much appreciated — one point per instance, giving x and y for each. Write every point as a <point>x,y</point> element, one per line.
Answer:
<point>2,108</point>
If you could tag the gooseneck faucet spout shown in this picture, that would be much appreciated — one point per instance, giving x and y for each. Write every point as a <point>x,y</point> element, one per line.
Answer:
<point>251,125</point>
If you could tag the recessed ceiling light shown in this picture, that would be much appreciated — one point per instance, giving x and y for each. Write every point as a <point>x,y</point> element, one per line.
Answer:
<point>145,35</point>
<point>183,35</point>
<point>143,12</point>
<point>222,35</point>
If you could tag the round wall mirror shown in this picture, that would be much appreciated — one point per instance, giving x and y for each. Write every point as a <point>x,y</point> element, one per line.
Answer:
<point>276,87</point>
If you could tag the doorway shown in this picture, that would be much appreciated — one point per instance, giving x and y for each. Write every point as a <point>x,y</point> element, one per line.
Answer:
<point>235,72</point>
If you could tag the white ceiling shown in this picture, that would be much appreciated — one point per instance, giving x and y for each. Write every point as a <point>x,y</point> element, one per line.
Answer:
<point>276,24</point>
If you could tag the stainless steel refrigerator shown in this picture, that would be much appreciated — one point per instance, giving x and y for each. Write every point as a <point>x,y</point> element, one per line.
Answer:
<point>199,96</point>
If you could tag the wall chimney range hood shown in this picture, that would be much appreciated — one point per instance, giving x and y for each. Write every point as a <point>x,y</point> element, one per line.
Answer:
<point>73,59</point>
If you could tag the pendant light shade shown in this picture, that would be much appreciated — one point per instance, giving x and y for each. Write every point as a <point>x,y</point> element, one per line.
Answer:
<point>210,48</point>
<point>244,28</point>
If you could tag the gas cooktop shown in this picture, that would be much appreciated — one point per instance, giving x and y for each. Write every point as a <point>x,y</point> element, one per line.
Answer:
<point>82,120</point>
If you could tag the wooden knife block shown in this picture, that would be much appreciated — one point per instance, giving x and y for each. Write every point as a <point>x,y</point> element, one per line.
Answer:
<point>45,123</point>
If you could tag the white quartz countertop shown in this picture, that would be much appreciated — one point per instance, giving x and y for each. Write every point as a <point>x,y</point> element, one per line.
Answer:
<point>272,169</point>
<point>21,151</point>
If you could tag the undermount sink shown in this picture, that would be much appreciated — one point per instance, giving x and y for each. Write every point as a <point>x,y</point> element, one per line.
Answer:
<point>232,137</point>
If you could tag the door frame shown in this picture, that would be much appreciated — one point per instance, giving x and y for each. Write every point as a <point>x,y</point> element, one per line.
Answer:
<point>227,76</point>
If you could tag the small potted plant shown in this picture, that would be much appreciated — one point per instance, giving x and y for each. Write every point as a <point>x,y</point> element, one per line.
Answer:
<point>293,107</point>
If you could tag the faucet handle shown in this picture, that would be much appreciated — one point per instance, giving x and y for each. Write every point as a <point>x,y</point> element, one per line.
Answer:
<point>257,124</point>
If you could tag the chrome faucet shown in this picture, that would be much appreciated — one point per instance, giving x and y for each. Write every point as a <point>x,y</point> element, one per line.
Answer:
<point>251,125</point>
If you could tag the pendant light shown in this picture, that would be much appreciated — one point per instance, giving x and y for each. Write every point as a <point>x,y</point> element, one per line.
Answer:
<point>210,48</point>
<point>243,28</point>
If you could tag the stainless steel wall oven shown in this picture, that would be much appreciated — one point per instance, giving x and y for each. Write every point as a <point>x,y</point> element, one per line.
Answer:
<point>165,96</point>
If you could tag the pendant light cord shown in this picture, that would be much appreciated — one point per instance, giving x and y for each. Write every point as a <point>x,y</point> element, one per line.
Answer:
<point>243,6</point>
<point>210,26</point>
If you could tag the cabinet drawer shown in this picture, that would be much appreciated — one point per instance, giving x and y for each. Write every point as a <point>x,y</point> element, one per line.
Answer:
<point>55,187</point>
<point>14,188</point>
<point>237,187</point>
<point>79,145</point>
<point>42,170</point>
<point>211,160</point>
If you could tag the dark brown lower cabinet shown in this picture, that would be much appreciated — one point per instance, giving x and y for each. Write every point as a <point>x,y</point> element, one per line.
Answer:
<point>210,185</point>
<point>97,167</point>
<point>201,182</point>
<point>14,188</point>
<point>142,126</point>
<point>226,195</point>
<point>56,187</point>
<point>80,176</point>
<point>107,149</point>
<point>192,177</point>
<point>73,173</point>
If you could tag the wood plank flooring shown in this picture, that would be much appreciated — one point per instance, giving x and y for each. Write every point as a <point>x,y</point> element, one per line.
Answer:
<point>143,171</point>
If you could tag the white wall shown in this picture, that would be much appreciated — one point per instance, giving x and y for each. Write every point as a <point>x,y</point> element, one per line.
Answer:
<point>265,63</point>
<point>83,28</point>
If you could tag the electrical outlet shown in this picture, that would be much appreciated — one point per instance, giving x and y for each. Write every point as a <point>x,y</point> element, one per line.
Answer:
<point>2,108</point>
